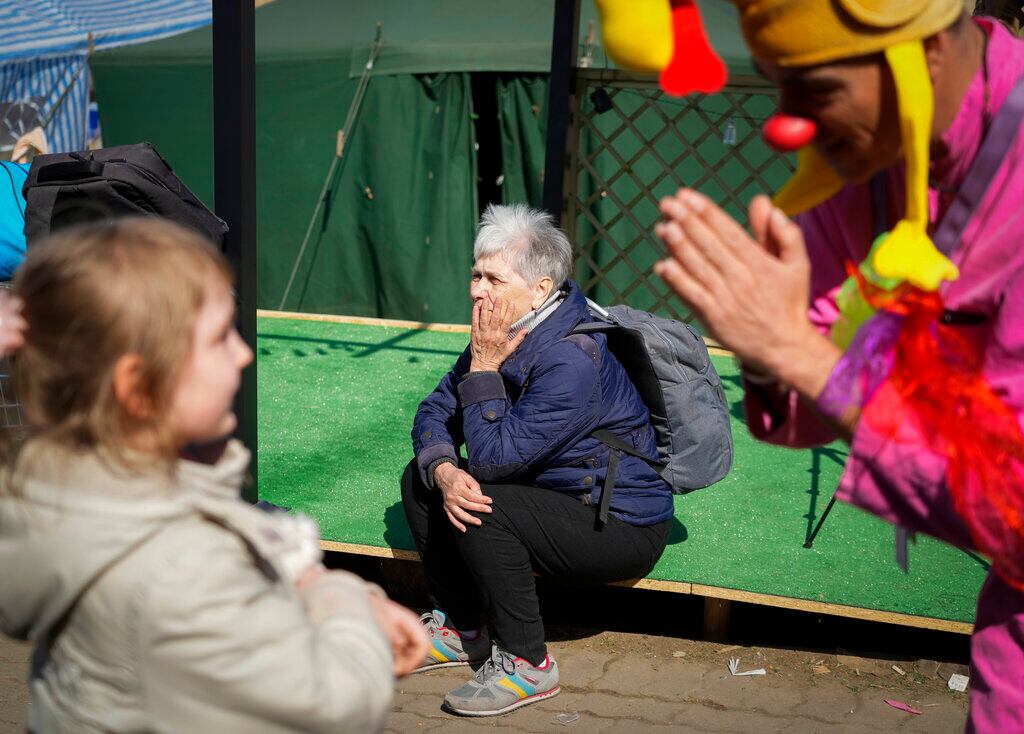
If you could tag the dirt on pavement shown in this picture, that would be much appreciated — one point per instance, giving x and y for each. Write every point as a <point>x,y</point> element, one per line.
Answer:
<point>628,682</point>
<point>624,682</point>
<point>633,661</point>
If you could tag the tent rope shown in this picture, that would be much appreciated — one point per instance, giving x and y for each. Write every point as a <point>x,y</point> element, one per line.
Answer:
<point>339,153</point>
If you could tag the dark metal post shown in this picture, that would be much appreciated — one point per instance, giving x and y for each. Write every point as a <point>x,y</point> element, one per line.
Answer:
<point>234,178</point>
<point>821,521</point>
<point>564,48</point>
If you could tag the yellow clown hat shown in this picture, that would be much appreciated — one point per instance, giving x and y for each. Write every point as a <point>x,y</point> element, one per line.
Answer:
<point>806,33</point>
<point>810,32</point>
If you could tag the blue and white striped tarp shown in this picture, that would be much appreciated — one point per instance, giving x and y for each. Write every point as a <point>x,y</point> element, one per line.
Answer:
<point>56,89</point>
<point>39,28</point>
<point>44,47</point>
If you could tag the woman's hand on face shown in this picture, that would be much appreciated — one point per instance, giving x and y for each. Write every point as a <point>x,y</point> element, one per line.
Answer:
<point>461,494</point>
<point>489,342</point>
<point>751,294</point>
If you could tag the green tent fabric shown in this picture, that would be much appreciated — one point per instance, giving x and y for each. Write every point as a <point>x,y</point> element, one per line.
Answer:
<point>395,236</point>
<point>521,103</point>
<point>421,36</point>
<point>402,215</point>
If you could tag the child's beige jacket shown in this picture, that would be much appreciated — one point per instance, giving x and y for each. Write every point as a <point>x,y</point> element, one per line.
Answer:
<point>163,605</point>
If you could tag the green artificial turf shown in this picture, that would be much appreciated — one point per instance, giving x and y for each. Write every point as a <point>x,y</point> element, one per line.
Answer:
<point>336,403</point>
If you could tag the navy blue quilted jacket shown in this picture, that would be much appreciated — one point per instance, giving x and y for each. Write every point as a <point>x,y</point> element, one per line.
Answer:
<point>531,422</point>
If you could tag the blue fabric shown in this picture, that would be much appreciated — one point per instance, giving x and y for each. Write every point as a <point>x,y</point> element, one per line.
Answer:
<point>62,27</point>
<point>12,217</point>
<point>45,47</point>
<point>56,90</point>
<point>531,422</point>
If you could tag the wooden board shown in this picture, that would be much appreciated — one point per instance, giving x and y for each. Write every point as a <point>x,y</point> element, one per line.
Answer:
<point>364,321</point>
<point>715,592</point>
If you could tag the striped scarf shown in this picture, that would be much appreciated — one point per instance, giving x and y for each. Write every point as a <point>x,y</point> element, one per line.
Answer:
<point>533,319</point>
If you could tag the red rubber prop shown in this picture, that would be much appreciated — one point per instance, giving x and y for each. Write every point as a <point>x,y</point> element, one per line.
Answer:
<point>786,133</point>
<point>695,67</point>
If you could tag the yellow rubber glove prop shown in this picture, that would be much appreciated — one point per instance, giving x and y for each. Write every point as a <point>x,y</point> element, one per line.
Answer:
<point>637,34</point>
<point>908,253</point>
<point>854,309</point>
<point>814,182</point>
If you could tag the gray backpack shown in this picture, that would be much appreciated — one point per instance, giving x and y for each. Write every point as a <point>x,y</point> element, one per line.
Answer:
<point>669,364</point>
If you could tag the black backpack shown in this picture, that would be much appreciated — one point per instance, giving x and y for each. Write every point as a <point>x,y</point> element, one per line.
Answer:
<point>63,189</point>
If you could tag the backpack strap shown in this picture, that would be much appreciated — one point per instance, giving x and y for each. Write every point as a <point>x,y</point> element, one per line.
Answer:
<point>40,200</point>
<point>613,441</point>
<point>594,327</point>
<point>70,172</point>
<point>618,447</point>
<point>600,312</point>
<point>605,322</point>
<point>1004,130</point>
<point>603,325</point>
<point>609,487</point>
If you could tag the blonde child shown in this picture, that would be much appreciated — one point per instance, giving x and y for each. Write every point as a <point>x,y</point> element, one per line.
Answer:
<point>156,598</point>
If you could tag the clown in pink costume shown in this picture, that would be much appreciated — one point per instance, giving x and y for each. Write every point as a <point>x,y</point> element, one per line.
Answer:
<point>752,291</point>
<point>900,483</point>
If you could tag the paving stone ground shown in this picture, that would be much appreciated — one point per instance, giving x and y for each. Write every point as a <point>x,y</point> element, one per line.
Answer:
<point>13,695</point>
<point>621,682</point>
<point>625,682</point>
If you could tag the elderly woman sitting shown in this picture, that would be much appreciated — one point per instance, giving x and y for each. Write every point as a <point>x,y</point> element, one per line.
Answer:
<point>524,399</point>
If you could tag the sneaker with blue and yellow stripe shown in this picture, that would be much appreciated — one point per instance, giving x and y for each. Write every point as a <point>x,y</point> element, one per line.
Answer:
<point>503,684</point>
<point>448,648</point>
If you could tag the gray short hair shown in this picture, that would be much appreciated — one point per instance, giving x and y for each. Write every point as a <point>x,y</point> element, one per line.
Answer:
<point>535,247</point>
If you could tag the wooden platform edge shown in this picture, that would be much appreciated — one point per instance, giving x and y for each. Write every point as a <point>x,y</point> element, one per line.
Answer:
<point>715,592</point>
<point>713,346</point>
<point>363,321</point>
<point>838,610</point>
<point>369,550</point>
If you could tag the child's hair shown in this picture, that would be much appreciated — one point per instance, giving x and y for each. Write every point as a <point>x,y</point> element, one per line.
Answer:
<point>93,294</point>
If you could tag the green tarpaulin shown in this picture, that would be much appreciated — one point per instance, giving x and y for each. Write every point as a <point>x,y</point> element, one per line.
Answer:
<point>395,236</point>
<point>421,36</point>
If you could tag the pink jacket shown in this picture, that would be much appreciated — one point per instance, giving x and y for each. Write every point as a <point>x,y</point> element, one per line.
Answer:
<point>900,484</point>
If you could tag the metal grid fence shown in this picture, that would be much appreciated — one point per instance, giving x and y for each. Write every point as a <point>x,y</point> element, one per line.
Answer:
<point>629,145</point>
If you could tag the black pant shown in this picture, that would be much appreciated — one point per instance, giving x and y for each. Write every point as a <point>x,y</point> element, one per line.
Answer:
<point>486,573</point>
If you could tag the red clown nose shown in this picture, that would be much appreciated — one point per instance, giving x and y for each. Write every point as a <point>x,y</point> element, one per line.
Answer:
<point>786,133</point>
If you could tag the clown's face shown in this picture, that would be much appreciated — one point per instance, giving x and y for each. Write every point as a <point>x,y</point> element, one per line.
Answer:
<point>853,103</point>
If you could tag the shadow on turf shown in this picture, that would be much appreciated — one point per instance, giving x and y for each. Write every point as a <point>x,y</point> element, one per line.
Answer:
<point>735,406</point>
<point>355,349</point>
<point>819,455</point>
<point>396,529</point>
